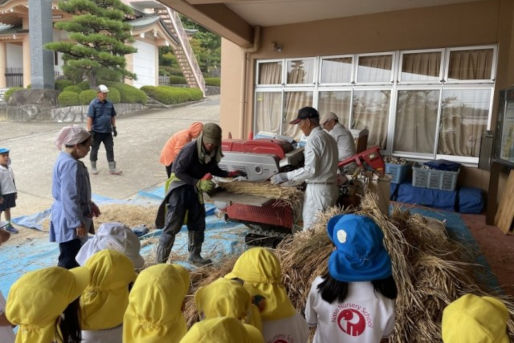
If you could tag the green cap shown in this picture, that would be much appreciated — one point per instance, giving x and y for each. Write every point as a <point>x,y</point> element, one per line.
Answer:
<point>211,134</point>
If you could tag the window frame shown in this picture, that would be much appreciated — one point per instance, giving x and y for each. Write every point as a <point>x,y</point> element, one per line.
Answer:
<point>314,72</point>
<point>491,80</point>
<point>352,71</point>
<point>365,83</point>
<point>257,71</point>
<point>409,52</point>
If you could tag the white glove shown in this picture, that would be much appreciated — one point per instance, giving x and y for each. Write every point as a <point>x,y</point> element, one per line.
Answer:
<point>279,178</point>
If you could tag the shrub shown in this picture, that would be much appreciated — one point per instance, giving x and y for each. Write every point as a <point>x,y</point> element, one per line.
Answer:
<point>113,95</point>
<point>84,85</point>
<point>130,94</point>
<point>67,98</point>
<point>177,80</point>
<point>61,83</point>
<point>86,96</point>
<point>74,89</point>
<point>212,81</point>
<point>173,95</point>
<point>10,92</point>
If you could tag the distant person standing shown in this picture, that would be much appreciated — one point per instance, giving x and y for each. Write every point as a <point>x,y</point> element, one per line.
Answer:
<point>176,142</point>
<point>101,123</point>
<point>8,192</point>
<point>343,136</point>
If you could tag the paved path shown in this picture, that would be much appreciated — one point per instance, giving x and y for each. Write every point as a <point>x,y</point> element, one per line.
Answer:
<point>136,150</point>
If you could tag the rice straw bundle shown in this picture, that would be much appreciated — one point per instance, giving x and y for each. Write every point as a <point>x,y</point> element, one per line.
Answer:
<point>290,195</point>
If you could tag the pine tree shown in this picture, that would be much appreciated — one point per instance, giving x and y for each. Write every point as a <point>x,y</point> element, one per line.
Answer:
<point>97,35</point>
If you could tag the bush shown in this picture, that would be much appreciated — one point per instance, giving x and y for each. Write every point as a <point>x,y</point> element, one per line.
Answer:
<point>84,85</point>
<point>86,96</point>
<point>10,92</point>
<point>67,98</point>
<point>61,83</point>
<point>177,80</point>
<point>130,94</point>
<point>113,96</point>
<point>173,95</point>
<point>212,81</point>
<point>74,89</point>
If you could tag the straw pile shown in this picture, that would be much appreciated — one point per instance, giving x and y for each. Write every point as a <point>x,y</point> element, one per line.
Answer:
<point>429,268</point>
<point>130,215</point>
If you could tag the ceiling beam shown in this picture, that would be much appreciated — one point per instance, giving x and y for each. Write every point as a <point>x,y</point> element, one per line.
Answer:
<point>218,18</point>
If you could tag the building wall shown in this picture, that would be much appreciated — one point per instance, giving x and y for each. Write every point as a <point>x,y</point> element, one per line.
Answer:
<point>474,23</point>
<point>144,64</point>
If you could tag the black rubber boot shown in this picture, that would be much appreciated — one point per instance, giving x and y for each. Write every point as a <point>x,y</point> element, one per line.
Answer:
<point>163,252</point>
<point>195,248</point>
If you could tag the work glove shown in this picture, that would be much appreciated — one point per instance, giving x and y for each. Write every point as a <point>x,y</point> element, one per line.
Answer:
<point>279,178</point>
<point>236,173</point>
<point>114,132</point>
<point>205,185</point>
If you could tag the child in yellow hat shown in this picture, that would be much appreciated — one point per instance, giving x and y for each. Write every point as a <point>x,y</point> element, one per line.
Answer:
<point>475,319</point>
<point>260,270</point>
<point>103,303</point>
<point>154,313</point>
<point>220,330</point>
<point>354,301</point>
<point>226,298</point>
<point>37,300</point>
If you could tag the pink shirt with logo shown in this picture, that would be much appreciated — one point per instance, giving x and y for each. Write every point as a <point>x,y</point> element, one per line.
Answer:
<point>365,316</point>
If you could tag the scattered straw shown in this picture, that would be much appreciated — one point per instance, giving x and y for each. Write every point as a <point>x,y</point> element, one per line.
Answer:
<point>291,195</point>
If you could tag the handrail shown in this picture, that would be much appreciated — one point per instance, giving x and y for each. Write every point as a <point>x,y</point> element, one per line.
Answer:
<point>188,51</point>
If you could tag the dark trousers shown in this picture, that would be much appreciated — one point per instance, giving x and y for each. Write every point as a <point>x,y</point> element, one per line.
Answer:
<point>106,138</point>
<point>68,252</point>
<point>183,199</point>
<point>168,169</point>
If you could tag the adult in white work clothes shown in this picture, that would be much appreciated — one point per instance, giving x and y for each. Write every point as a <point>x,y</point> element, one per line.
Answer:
<point>343,136</point>
<point>320,168</point>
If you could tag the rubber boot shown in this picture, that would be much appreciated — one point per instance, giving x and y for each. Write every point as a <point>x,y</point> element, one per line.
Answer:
<point>94,171</point>
<point>163,252</point>
<point>113,170</point>
<point>195,248</point>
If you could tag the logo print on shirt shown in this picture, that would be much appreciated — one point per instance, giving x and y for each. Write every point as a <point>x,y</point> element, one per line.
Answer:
<point>351,322</point>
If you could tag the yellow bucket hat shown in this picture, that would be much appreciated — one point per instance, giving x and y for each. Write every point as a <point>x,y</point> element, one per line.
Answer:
<point>154,313</point>
<point>260,270</point>
<point>475,319</point>
<point>223,298</point>
<point>105,299</point>
<point>39,297</point>
<point>222,330</point>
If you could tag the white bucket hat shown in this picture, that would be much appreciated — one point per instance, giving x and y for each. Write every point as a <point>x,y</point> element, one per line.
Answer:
<point>114,236</point>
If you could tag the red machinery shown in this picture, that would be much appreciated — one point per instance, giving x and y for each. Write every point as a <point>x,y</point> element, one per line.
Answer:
<point>370,159</point>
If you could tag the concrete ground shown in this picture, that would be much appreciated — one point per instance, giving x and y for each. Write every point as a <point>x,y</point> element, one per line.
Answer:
<point>136,149</point>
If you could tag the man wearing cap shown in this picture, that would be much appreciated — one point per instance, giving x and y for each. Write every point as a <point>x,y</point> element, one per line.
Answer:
<point>343,136</point>
<point>101,123</point>
<point>320,168</point>
<point>188,182</point>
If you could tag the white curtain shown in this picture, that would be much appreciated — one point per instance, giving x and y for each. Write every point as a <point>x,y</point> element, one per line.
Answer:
<point>374,68</point>
<point>268,111</point>
<point>470,64</point>
<point>336,70</point>
<point>337,102</point>
<point>416,120</point>
<point>421,66</point>
<point>270,73</point>
<point>293,102</point>
<point>370,111</point>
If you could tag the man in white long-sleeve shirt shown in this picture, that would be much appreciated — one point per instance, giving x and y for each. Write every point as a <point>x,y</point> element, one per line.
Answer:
<point>343,136</point>
<point>320,168</point>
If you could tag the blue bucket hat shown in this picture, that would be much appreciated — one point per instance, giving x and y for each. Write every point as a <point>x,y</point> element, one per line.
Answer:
<point>360,254</point>
<point>4,150</point>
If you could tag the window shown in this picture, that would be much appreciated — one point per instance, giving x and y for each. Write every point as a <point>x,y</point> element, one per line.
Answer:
<point>375,69</point>
<point>300,71</point>
<point>270,73</point>
<point>336,70</point>
<point>337,102</point>
<point>432,103</point>
<point>416,120</point>
<point>421,67</point>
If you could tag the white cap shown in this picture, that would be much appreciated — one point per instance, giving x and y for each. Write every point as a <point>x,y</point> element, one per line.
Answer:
<point>328,116</point>
<point>114,236</point>
<point>103,89</point>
